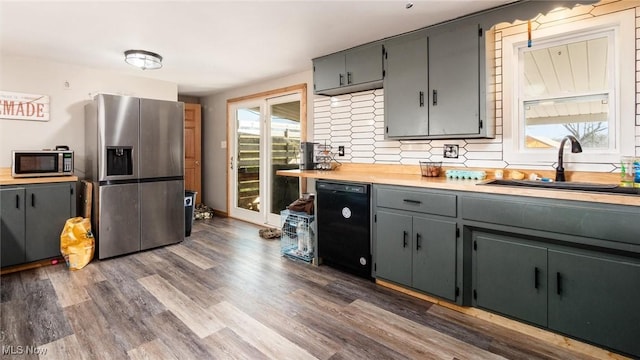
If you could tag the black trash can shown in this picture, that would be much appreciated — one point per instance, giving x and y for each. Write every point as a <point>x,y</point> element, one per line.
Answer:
<point>189,203</point>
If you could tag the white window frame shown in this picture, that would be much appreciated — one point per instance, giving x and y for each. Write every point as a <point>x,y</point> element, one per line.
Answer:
<point>621,26</point>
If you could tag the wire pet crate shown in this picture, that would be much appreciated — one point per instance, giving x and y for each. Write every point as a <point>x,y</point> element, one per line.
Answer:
<point>297,235</point>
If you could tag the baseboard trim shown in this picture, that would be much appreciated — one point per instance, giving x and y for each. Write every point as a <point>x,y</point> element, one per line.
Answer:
<point>31,265</point>
<point>220,213</point>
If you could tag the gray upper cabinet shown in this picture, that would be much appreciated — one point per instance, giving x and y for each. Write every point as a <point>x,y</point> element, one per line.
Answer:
<point>348,71</point>
<point>405,86</point>
<point>433,83</point>
<point>454,81</point>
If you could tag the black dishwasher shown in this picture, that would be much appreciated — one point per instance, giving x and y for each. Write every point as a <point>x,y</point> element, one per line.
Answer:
<point>344,223</point>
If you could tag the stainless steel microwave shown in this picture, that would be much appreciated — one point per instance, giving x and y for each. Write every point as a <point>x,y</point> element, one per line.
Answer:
<point>34,163</point>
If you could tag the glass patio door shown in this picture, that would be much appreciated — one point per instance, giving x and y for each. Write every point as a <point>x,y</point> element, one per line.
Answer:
<point>266,139</point>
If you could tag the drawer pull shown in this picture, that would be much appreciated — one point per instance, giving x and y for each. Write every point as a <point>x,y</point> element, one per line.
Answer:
<point>418,241</point>
<point>404,238</point>
<point>412,201</point>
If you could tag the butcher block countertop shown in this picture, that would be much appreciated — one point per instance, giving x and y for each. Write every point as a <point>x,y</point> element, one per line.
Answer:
<point>407,175</point>
<point>6,179</point>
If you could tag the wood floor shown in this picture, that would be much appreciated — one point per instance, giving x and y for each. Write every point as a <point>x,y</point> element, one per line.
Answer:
<point>226,293</point>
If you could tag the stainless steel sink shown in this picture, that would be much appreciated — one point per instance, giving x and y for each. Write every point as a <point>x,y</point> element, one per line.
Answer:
<point>566,185</point>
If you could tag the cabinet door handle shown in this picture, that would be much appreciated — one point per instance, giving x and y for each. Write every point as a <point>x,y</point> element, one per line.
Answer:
<point>17,201</point>
<point>33,200</point>
<point>435,97</point>
<point>558,283</point>
<point>404,238</point>
<point>348,77</point>
<point>418,240</point>
<point>412,201</point>
<point>341,79</point>
<point>421,98</point>
<point>536,276</point>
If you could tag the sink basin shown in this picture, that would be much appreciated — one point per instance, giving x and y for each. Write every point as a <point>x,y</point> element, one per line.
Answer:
<point>568,185</point>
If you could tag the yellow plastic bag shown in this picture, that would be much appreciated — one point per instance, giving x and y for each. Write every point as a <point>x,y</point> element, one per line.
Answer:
<point>77,243</point>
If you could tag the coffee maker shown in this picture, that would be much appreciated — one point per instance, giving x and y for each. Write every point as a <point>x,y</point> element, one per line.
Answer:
<point>308,159</point>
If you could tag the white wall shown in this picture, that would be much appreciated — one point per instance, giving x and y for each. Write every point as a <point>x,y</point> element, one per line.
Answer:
<point>66,124</point>
<point>214,131</point>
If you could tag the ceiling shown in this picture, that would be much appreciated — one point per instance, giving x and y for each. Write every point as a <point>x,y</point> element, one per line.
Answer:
<point>209,46</point>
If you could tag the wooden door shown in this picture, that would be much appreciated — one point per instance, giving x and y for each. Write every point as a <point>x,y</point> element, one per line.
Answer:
<point>193,149</point>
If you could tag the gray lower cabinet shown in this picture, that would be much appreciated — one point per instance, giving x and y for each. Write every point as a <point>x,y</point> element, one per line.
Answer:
<point>595,298</point>
<point>412,247</point>
<point>33,217</point>
<point>12,226</point>
<point>510,277</point>
<point>434,256</point>
<point>585,294</point>
<point>348,71</point>
<point>393,247</point>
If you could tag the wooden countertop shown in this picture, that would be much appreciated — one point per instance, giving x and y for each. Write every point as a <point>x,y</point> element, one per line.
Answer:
<point>399,176</point>
<point>7,179</point>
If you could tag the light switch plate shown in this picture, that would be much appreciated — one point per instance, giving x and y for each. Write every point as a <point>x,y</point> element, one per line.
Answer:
<point>223,144</point>
<point>450,151</point>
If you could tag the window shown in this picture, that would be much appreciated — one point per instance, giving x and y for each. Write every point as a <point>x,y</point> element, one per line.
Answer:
<point>571,81</point>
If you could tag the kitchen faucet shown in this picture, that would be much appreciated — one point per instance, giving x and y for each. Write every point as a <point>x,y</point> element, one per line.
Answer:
<point>575,148</point>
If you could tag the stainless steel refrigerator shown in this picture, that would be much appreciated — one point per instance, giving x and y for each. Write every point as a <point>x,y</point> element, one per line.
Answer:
<point>135,159</point>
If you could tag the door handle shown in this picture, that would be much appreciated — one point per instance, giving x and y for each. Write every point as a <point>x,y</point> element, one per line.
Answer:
<point>404,238</point>
<point>418,239</point>
<point>558,283</point>
<point>536,276</point>
<point>33,200</point>
<point>341,79</point>
<point>421,98</point>
<point>17,201</point>
<point>435,97</point>
<point>348,77</point>
<point>197,162</point>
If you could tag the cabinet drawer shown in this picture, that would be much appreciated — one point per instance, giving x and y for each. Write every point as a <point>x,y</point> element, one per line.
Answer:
<point>598,221</point>
<point>418,201</point>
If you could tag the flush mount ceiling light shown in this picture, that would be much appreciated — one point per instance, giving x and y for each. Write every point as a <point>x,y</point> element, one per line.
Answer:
<point>145,60</point>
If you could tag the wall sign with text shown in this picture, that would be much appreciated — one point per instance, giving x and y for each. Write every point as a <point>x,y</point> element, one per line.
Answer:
<point>19,106</point>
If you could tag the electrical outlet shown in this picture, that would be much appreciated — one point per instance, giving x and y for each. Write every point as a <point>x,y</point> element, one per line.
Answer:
<point>450,151</point>
<point>340,150</point>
